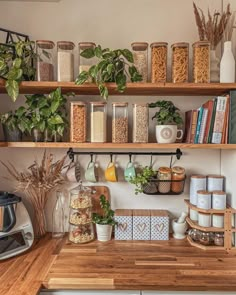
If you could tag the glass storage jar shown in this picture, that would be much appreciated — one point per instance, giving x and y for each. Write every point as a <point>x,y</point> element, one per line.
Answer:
<point>178,175</point>
<point>65,61</point>
<point>219,239</point>
<point>45,68</point>
<point>205,238</point>
<point>201,62</point>
<point>180,62</point>
<point>140,122</point>
<point>78,121</point>
<point>159,62</point>
<point>58,217</point>
<point>119,122</point>
<point>140,55</point>
<point>98,121</point>
<point>164,177</point>
<point>86,63</point>
<point>80,234</point>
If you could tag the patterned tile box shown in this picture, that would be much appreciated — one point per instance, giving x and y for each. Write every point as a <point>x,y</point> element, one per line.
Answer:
<point>124,229</point>
<point>159,225</point>
<point>141,225</point>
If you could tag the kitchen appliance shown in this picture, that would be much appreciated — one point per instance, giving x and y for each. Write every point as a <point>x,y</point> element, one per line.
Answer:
<point>16,230</point>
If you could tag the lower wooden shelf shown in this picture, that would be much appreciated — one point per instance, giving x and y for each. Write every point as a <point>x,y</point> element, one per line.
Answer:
<point>207,248</point>
<point>194,224</point>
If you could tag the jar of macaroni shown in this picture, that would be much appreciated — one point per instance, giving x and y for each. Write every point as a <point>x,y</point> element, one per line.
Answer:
<point>78,121</point>
<point>180,62</point>
<point>159,62</point>
<point>201,62</point>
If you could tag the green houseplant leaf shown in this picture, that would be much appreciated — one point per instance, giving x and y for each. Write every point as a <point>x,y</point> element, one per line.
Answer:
<point>108,214</point>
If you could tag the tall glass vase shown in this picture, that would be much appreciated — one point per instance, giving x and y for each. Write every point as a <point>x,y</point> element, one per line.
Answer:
<point>58,217</point>
<point>227,64</point>
<point>214,67</point>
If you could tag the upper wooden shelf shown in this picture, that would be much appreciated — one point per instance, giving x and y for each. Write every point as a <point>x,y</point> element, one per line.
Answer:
<point>175,89</point>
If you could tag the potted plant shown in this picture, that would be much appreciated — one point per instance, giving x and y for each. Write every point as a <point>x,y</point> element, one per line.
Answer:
<point>104,222</point>
<point>113,66</point>
<point>168,117</point>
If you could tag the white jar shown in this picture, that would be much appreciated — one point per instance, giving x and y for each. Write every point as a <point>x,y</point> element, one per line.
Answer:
<point>204,200</point>
<point>197,182</point>
<point>204,219</point>
<point>218,220</point>
<point>218,200</point>
<point>215,183</point>
<point>193,215</point>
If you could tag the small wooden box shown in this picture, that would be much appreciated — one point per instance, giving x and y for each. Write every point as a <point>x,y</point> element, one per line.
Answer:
<point>124,229</point>
<point>141,225</point>
<point>159,225</point>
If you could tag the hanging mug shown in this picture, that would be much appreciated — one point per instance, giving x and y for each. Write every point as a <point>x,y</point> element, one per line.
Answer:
<point>110,172</point>
<point>130,171</point>
<point>70,174</point>
<point>90,173</point>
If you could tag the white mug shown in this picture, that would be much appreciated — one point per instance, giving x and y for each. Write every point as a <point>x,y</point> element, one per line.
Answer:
<point>168,133</point>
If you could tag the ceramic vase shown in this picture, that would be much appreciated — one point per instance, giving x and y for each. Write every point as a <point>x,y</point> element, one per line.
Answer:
<point>104,232</point>
<point>227,64</point>
<point>214,67</point>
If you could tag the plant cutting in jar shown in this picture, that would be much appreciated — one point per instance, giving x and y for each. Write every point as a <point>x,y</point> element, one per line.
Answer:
<point>16,65</point>
<point>112,67</point>
<point>167,117</point>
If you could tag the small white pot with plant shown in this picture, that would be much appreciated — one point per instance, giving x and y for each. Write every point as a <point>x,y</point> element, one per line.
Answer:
<point>168,118</point>
<point>104,223</point>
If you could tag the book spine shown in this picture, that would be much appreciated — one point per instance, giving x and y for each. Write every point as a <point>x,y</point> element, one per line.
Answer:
<point>219,119</point>
<point>203,126</point>
<point>226,121</point>
<point>212,121</point>
<point>199,122</point>
<point>193,125</point>
<point>209,106</point>
<point>188,123</point>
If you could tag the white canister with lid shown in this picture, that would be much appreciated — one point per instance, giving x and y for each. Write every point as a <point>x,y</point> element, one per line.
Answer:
<point>197,182</point>
<point>215,182</point>
<point>204,219</point>
<point>193,214</point>
<point>218,200</point>
<point>204,199</point>
<point>218,220</point>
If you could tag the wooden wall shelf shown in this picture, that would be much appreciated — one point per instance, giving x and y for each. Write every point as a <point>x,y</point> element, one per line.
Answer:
<point>194,224</point>
<point>151,89</point>
<point>210,211</point>
<point>207,248</point>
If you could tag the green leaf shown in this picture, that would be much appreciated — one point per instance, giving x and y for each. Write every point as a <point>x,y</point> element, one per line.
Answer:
<point>103,91</point>
<point>88,53</point>
<point>57,119</point>
<point>128,55</point>
<point>2,64</point>
<point>46,54</point>
<point>55,105</point>
<point>98,51</point>
<point>12,88</point>
<point>93,71</point>
<point>20,111</point>
<point>45,112</point>
<point>110,69</point>
<point>82,78</point>
<point>41,126</point>
<point>19,48</point>
<point>14,74</point>
<point>17,63</point>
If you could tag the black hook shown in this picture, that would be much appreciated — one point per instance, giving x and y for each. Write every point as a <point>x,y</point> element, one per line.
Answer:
<point>130,157</point>
<point>151,161</point>
<point>70,153</point>
<point>171,159</point>
<point>91,155</point>
<point>111,156</point>
<point>178,154</point>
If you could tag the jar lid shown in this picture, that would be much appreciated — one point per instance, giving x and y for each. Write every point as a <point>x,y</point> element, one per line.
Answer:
<point>180,44</point>
<point>120,104</point>
<point>215,176</point>
<point>45,44</point>
<point>198,176</point>
<point>139,46</point>
<point>222,193</point>
<point>178,170</point>
<point>203,192</point>
<point>78,103</point>
<point>140,104</point>
<point>65,45</point>
<point>164,170</point>
<point>157,44</point>
<point>86,45</point>
<point>98,103</point>
<point>201,43</point>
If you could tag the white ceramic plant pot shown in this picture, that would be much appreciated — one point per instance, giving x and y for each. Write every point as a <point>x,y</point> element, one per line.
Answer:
<point>227,64</point>
<point>168,133</point>
<point>103,232</point>
<point>179,229</point>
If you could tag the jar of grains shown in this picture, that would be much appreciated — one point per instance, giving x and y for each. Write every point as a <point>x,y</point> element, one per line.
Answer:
<point>180,62</point>
<point>159,62</point>
<point>78,121</point>
<point>86,63</point>
<point>98,121</point>
<point>178,176</point>
<point>65,61</point>
<point>140,54</point>
<point>119,122</point>
<point>164,180</point>
<point>219,239</point>
<point>201,62</point>
<point>45,68</point>
<point>140,122</point>
<point>80,234</point>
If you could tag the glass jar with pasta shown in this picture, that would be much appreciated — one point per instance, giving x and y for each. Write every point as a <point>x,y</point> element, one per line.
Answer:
<point>201,62</point>
<point>159,62</point>
<point>180,62</point>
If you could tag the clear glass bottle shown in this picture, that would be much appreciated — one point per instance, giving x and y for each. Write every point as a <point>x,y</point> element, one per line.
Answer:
<point>164,177</point>
<point>201,62</point>
<point>119,122</point>
<point>159,62</point>
<point>178,176</point>
<point>58,217</point>
<point>86,63</point>
<point>65,61</point>
<point>140,54</point>
<point>98,121</point>
<point>140,122</point>
<point>78,121</point>
<point>180,62</point>
<point>45,67</point>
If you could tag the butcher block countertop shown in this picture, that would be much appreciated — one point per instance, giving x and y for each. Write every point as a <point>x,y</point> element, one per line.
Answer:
<point>116,265</point>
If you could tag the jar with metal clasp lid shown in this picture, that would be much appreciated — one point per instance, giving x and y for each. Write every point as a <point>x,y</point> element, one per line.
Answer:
<point>164,177</point>
<point>178,177</point>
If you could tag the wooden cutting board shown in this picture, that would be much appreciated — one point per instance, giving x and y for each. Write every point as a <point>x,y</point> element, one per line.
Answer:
<point>98,191</point>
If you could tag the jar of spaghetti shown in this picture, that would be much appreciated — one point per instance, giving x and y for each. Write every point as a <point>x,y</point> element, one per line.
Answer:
<point>177,177</point>
<point>45,65</point>
<point>201,62</point>
<point>180,62</point>
<point>159,62</point>
<point>140,55</point>
<point>78,121</point>
<point>164,177</point>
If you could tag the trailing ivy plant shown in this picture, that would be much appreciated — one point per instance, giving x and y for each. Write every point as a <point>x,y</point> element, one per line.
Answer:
<point>168,113</point>
<point>16,65</point>
<point>113,66</point>
<point>108,213</point>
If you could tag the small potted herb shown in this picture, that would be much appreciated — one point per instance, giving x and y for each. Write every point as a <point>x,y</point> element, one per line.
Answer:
<point>168,118</point>
<point>104,222</point>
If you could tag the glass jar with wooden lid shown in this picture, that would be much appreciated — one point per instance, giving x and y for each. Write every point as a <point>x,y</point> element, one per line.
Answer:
<point>140,122</point>
<point>159,62</point>
<point>119,122</point>
<point>86,63</point>
<point>180,62</point>
<point>45,65</point>
<point>98,121</point>
<point>65,61</point>
<point>201,62</point>
<point>164,180</point>
<point>140,55</point>
<point>78,121</point>
<point>177,177</point>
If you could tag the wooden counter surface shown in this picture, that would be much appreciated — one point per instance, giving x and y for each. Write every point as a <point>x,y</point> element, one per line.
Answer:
<point>137,265</point>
